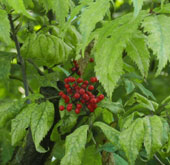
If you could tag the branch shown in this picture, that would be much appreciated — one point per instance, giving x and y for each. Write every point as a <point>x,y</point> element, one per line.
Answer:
<point>36,67</point>
<point>19,55</point>
<point>19,79</point>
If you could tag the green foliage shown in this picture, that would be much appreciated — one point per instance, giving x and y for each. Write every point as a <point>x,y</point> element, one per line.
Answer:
<point>154,134</point>
<point>41,121</point>
<point>129,44</point>
<point>138,52</point>
<point>88,21</point>
<point>4,27</point>
<point>158,40</point>
<point>91,156</point>
<point>45,49</point>
<point>75,143</point>
<point>9,110</point>
<point>131,140</point>
<point>20,123</point>
<point>111,133</point>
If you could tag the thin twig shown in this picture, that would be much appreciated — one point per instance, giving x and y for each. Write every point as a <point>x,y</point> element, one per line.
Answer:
<point>158,160</point>
<point>36,67</point>
<point>21,61</point>
<point>19,79</point>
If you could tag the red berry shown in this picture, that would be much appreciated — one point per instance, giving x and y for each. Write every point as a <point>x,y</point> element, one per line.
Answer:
<point>79,80</point>
<point>67,85</point>
<point>79,73</point>
<point>101,97</point>
<point>89,93</point>
<point>75,62</point>
<point>86,97</point>
<point>61,108</point>
<point>77,111</point>
<point>67,100</point>
<point>69,90</point>
<point>81,91</point>
<point>76,95</point>
<point>86,82</point>
<point>69,107</point>
<point>93,79</point>
<point>91,87</point>
<point>98,100</point>
<point>74,85</point>
<point>66,80</point>
<point>91,60</point>
<point>84,86</point>
<point>94,106</point>
<point>73,69</point>
<point>79,106</point>
<point>82,101</point>
<point>64,96</point>
<point>93,101</point>
<point>61,93</point>
<point>71,79</point>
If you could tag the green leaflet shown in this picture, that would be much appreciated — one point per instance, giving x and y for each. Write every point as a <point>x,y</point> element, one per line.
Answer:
<point>4,27</point>
<point>111,133</point>
<point>114,107</point>
<point>18,6</point>
<point>90,16</point>
<point>91,156</point>
<point>74,146</point>
<point>9,110</point>
<point>138,6</point>
<point>131,140</point>
<point>138,52</point>
<point>143,101</point>
<point>20,123</point>
<point>129,86</point>
<point>5,64</point>
<point>60,8</point>
<point>5,146</point>
<point>111,41</point>
<point>155,134</point>
<point>45,49</point>
<point>41,121</point>
<point>119,160</point>
<point>158,40</point>
<point>168,147</point>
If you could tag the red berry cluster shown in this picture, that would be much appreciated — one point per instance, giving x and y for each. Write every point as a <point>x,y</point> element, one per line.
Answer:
<point>79,94</point>
<point>75,68</point>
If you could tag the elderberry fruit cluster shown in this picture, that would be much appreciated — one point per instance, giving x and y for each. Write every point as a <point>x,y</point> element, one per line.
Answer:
<point>78,95</point>
<point>75,68</point>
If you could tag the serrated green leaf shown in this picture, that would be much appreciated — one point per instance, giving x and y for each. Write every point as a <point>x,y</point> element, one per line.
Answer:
<point>60,8</point>
<point>143,101</point>
<point>4,27</point>
<point>168,147</point>
<point>9,110</point>
<point>138,52</point>
<point>138,6</point>
<point>111,41</point>
<point>74,146</point>
<point>90,16</point>
<point>131,140</point>
<point>91,156</point>
<point>108,147</point>
<point>164,9</point>
<point>154,134</point>
<point>111,134</point>
<point>158,39</point>
<point>20,123</point>
<point>45,49</point>
<point>114,107</point>
<point>41,121</point>
<point>18,6</point>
